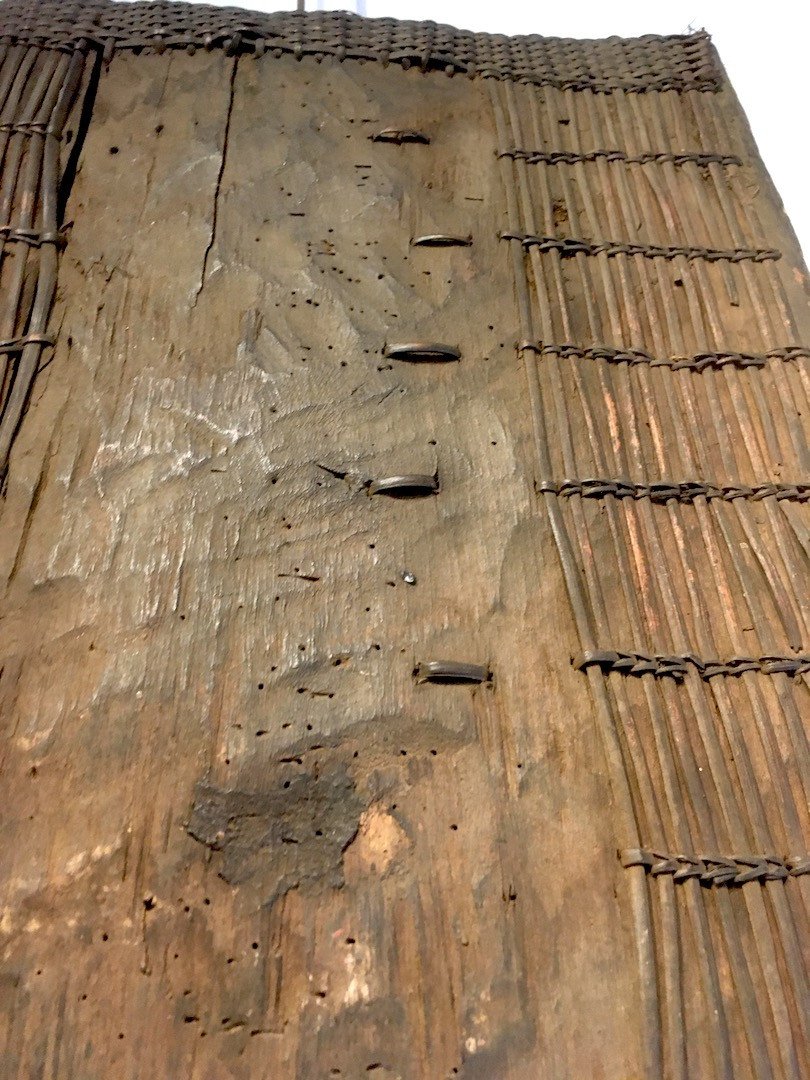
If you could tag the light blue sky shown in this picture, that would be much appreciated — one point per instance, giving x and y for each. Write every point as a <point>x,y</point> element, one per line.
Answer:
<point>764,48</point>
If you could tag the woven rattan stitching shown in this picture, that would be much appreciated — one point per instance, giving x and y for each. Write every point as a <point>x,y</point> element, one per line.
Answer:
<point>662,491</point>
<point>11,235</point>
<point>662,666</point>
<point>570,157</point>
<point>715,870</point>
<point>23,128</point>
<point>699,362</point>
<point>634,65</point>
<point>15,345</point>
<point>567,247</point>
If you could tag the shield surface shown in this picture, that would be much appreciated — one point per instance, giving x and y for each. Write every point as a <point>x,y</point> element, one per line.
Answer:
<point>403,636</point>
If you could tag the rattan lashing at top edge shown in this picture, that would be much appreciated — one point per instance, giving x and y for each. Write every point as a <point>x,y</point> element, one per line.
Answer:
<point>634,64</point>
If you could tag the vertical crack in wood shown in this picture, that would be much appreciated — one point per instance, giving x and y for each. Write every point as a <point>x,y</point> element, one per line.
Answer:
<point>218,185</point>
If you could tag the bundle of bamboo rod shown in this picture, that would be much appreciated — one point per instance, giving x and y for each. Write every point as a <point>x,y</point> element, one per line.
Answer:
<point>40,106</point>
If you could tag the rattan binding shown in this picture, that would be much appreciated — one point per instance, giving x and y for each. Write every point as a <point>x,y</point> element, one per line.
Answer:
<point>682,62</point>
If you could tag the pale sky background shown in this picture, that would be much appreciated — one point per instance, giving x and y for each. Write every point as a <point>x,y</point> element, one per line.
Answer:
<point>764,48</point>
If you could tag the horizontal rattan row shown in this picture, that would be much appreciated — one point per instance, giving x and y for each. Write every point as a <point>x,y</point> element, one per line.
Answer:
<point>663,491</point>
<point>660,157</point>
<point>716,869</point>
<point>698,362</point>
<point>567,247</point>
<point>677,667</point>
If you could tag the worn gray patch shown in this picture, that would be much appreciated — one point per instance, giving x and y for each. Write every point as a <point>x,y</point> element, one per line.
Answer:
<point>280,839</point>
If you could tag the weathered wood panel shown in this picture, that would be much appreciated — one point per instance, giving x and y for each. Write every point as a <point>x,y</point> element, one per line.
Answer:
<point>241,840</point>
<point>244,838</point>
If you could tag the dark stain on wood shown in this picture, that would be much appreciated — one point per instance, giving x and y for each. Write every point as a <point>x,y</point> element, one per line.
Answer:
<point>291,836</point>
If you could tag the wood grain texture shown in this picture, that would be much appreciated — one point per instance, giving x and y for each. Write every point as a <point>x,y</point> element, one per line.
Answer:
<point>241,840</point>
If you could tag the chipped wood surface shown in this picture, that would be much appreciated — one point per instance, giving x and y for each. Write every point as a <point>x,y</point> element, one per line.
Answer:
<point>242,840</point>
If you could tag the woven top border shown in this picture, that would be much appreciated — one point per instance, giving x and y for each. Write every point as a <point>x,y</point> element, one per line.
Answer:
<point>677,63</point>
